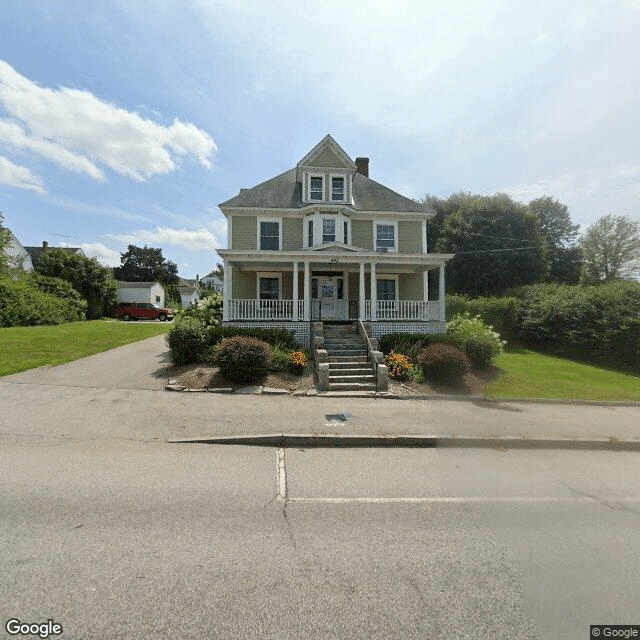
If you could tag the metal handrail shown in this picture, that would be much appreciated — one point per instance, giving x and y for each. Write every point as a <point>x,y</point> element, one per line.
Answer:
<point>370,352</point>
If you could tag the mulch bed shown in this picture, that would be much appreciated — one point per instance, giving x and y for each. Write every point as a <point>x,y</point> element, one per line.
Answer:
<point>202,376</point>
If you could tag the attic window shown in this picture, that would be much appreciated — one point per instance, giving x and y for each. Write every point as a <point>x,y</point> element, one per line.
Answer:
<point>315,190</point>
<point>337,189</point>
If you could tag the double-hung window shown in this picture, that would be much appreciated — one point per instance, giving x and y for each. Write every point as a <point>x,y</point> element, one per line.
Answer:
<point>386,289</point>
<point>269,288</point>
<point>269,236</point>
<point>385,237</point>
<point>310,233</point>
<point>315,189</point>
<point>328,230</point>
<point>337,189</point>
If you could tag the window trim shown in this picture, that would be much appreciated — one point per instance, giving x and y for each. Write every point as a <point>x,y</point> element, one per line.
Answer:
<point>316,219</point>
<point>344,187</point>
<point>269,274</point>
<point>258,225</point>
<point>333,219</point>
<point>389,276</point>
<point>322,182</point>
<point>389,223</point>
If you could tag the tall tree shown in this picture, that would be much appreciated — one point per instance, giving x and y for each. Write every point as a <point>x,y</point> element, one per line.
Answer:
<point>497,245</point>
<point>560,234</point>
<point>611,248</point>
<point>90,279</point>
<point>145,264</point>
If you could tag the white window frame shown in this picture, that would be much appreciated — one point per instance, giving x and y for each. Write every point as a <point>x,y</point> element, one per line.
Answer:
<point>344,187</point>
<point>322,180</point>
<point>318,234</point>
<point>389,276</point>
<point>390,223</point>
<point>269,274</point>
<point>279,221</point>
<point>333,219</point>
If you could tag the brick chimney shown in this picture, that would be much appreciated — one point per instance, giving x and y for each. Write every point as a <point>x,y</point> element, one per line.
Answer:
<point>45,246</point>
<point>362,165</point>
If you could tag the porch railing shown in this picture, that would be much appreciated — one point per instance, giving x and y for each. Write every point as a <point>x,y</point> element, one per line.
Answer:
<point>283,310</point>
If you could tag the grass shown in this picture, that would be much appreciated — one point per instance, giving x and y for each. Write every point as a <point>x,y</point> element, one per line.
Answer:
<point>23,348</point>
<point>530,374</point>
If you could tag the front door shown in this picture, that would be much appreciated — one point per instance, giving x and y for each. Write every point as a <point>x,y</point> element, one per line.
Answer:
<point>330,292</point>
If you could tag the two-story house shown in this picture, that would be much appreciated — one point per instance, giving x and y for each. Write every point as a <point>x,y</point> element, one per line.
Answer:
<point>323,241</point>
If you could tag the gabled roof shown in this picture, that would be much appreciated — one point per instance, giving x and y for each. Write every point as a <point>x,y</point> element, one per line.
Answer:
<point>327,143</point>
<point>36,252</point>
<point>284,192</point>
<point>135,285</point>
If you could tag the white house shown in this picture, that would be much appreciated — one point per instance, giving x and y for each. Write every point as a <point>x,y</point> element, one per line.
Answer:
<point>189,291</point>
<point>141,292</point>
<point>213,281</point>
<point>19,257</point>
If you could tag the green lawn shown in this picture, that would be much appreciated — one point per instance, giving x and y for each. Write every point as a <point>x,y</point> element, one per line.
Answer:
<point>530,374</point>
<point>23,348</point>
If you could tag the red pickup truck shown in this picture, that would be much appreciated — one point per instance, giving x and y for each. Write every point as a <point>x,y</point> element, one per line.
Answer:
<point>147,310</point>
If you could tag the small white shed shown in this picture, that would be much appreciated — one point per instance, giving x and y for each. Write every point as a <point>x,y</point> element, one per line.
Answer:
<point>141,292</point>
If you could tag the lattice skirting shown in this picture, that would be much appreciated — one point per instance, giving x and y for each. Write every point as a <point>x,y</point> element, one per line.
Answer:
<point>299,329</point>
<point>379,329</point>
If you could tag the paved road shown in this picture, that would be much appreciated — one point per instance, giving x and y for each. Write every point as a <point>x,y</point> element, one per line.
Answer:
<point>115,534</point>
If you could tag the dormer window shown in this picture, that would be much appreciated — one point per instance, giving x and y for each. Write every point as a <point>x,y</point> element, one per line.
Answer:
<point>337,189</point>
<point>315,189</point>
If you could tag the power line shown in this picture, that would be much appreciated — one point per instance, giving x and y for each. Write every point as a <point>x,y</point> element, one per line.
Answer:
<point>457,253</point>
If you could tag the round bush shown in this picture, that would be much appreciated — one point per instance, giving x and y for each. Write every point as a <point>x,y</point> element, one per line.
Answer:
<point>479,353</point>
<point>187,341</point>
<point>242,358</point>
<point>443,362</point>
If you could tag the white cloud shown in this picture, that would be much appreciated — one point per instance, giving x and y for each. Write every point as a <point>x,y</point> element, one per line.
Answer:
<point>198,240</point>
<point>20,177</point>
<point>104,255</point>
<point>78,131</point>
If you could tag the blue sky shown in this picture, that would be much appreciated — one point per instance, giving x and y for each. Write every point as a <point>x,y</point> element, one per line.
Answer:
<point>128,122</point>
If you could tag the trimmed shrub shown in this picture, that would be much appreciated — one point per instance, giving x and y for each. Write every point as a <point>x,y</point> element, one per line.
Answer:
<point>410,344</point>
<point>24,304</point>
<point>187,341</point>
<point>242,358</point>
<point>462,329</point>
<point>443,362</point>
<point>501,313</point>
<point>275,336</point>
<point>399,366</point>
<point>479,353</point>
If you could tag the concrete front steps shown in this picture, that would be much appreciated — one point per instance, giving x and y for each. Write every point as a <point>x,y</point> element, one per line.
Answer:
<point>349,366</point>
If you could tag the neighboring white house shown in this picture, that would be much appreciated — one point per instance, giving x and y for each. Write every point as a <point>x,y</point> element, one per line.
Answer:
<point>19,257</point>
<point>141,292</point>
<point>189,291</point>
<point>36,252</point>
<point>213,281</point>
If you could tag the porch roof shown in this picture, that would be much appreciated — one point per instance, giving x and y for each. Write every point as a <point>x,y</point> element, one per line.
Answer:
<point>336,257</point>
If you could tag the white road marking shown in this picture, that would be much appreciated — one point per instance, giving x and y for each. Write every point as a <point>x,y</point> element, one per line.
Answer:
<point>281,474</point>
<point>462,500</point>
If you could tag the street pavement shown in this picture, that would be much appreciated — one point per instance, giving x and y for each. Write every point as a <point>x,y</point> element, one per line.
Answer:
<point>113,532</point>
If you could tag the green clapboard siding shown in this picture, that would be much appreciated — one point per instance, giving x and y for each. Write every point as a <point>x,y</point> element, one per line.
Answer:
<point>409,237</point>
<point>244,285</point>
<point>411,286</point>
<point>327,159</point>
<point>244,232</point>
<point>362,234</point>
<point>292,234</point>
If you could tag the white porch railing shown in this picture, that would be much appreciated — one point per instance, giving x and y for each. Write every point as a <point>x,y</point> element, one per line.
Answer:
<point>407,310</point>
<point>283,310</point>
<point>260,309</point>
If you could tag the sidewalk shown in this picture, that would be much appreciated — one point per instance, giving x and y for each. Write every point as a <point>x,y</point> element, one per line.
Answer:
<point>119,394</point>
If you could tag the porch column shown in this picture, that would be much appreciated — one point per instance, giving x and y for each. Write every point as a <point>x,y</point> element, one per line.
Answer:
<point>295,291</point>
<point>345,293</point>
<point>374,293</point>
<point>307,292</point>
<point>226,290</point>
<point>362,291</point>
<point>441,293</point>
<point>425,295</point>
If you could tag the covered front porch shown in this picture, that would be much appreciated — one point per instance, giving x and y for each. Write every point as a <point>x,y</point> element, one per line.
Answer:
<point>333,286</point>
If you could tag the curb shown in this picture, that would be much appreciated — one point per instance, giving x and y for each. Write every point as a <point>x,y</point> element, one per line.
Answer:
<point>413,441</point>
